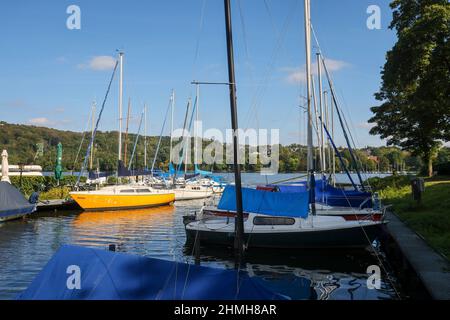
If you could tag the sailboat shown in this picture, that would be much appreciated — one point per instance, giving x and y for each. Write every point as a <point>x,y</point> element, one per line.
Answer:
<point>199,185</point>
<point>277,219</point>
<point>121,196</point>
<point>13,204</point>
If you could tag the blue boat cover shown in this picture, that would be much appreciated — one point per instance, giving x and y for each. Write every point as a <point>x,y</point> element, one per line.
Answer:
<point>106,275</point>
<point>326,193</point>
<point>12,201</point>
<point>201,172</point>
<point>285,204</point>
<point>171,169</point>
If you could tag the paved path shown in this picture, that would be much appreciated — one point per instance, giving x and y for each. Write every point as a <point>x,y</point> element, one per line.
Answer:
<point>432,268</point>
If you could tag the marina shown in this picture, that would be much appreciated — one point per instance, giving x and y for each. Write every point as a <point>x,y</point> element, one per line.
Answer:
<point>283,192</point>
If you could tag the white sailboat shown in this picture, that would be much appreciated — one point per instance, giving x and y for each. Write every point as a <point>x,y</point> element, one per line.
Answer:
<point>274,219</point>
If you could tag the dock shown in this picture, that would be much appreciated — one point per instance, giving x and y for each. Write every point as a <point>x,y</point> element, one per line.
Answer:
<point>432,268</point>
<point>58,204</point>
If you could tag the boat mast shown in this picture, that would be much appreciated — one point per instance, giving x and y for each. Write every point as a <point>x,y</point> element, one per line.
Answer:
<point>196,127</point>
<point>321,112</point>
<point>239,222</point>
<point>172,101</point>
<point>145,136</point>
<point>310,162</point>
<point>92,135</point>
<point>120,102</point>
<point>125,152</point>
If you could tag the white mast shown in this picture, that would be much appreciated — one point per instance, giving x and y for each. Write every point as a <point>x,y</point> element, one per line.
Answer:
<point>327,122</point>
<point>145,136</point>
<point>92,136</point>
<point>172,99</point>
<point>120,103</point>
<point>308,84</point>
<point>196,126</point>
<point>321,110</point>
<point>332,137</point>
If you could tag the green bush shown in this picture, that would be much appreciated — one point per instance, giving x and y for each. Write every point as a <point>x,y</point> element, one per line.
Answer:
<point>28,185</point>
<point>55,193</point>
<point>394,182</point>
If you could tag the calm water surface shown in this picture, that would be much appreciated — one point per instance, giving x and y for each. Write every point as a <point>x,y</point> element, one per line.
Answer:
<point>27,245</point>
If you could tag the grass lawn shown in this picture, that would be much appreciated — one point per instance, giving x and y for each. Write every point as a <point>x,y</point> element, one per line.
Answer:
<point>431,219</point>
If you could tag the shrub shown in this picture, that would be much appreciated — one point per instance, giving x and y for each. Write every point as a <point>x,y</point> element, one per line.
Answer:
<point>395,182</point>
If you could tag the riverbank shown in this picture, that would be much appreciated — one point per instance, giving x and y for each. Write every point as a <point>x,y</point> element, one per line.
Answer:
<point>431,218</point>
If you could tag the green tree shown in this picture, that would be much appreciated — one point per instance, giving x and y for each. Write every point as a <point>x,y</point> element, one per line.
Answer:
<point>415,91</point>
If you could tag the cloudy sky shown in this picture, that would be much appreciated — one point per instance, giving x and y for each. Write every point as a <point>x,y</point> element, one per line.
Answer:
<point>50,74</point>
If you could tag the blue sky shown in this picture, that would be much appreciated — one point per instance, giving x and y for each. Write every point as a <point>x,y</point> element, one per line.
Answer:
<point>50,74</point>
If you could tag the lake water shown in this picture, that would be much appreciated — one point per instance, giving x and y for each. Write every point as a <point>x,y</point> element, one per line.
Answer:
<point>27,245</point>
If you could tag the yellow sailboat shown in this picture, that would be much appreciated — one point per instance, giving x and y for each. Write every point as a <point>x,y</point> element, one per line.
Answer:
<point>122,197</point>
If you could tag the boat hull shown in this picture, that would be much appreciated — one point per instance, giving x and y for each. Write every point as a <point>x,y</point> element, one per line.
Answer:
<point>103,202</point>
<point>9,215</point>
<point>347,215</point>
<point>181,195</point>
<point>353,237</point>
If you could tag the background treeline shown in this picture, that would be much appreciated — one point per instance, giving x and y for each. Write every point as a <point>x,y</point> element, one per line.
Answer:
<point>22,141</point>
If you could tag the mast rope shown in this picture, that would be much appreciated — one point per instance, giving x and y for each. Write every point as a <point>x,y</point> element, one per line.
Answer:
<point>96,125</point>
<point>136,141</point>
<point>160,138</point>
<point>91,114</point>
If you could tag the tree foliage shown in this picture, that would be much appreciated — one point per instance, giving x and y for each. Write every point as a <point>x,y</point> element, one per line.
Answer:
<point>415,91</point>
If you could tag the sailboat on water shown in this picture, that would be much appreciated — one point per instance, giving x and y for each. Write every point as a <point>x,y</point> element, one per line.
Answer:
<point>277,219</point>
<point>186,186</point>
<point>121,196</point>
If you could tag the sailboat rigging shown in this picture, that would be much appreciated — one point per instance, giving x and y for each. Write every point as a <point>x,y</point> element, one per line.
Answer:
<point>120,196</point>
<point>278,219</point>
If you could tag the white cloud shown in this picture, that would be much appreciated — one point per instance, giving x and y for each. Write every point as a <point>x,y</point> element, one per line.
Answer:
<point>99,63</point>
<point>366,125</point>
<point>40,121</point>
<point>298,75</point>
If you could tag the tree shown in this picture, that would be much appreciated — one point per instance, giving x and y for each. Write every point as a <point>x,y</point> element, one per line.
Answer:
<point>415,91</point>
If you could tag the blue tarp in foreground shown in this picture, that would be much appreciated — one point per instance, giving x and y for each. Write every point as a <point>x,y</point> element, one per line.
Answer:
<point>286,204</point>
<point>106,275</point>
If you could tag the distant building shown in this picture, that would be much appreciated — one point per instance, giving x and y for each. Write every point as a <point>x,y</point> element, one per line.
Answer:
<point>374,158</point>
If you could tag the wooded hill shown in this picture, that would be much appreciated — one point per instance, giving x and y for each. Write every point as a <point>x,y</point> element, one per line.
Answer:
<point>22,143</point>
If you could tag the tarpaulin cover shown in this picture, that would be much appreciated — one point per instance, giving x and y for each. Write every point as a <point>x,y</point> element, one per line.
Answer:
<point>105,275</point>
<point>326,193</point>
<point>285,204</point>
<point>12,202</point>
<point>93,175</point>
<point>125,172</point>
<point>201,172</point>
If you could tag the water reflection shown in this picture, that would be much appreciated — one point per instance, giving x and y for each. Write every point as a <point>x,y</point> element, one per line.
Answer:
<point>305,274</point>
<point>26,246</point>
<point>143,231</point>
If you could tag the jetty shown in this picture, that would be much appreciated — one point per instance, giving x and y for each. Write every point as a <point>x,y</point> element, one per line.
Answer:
<point>432,268</point>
